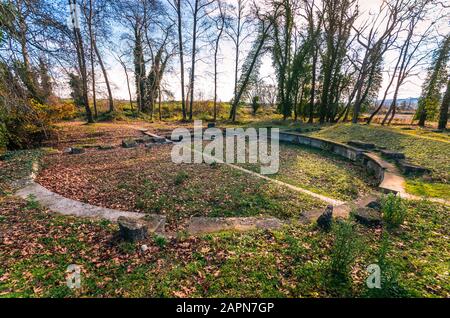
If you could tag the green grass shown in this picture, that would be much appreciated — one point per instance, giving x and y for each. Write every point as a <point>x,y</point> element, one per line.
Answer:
<point>427,133</point>
<point>227,193</point>
<point>292,262</point>
<point>320,172</point>
<point>427,189</point>
<point>420,147</point>
<point>430,153</point>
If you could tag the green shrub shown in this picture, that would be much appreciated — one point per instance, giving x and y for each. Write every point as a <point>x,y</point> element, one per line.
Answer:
<point>160,241</point>
<point>344,251</point>
<point>390,287</point>
<point>26,125</point>
<point>112,116</point>
<point>181,177</point>
<point>394,210</point>
<point>32,203</point>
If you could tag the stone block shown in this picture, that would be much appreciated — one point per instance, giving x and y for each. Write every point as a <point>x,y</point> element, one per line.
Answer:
<point>368,217</point>
<point>132,230</point>
<point>361,144</point>
<point>393,154</point>
<point>129,143</point>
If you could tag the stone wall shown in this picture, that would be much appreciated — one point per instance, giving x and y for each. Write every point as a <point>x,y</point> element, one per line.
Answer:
<point>374,166</point>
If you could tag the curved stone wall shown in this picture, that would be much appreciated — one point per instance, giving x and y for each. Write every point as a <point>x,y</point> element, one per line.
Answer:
<point>386,174</point>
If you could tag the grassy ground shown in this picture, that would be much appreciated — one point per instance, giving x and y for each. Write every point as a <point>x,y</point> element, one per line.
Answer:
<point>420,147</point>
<point>147,181</point>
<point>37,247</point>
<point>320,172</point>
<point>323,173</point>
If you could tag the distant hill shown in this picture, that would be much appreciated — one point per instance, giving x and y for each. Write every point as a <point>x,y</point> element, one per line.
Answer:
<point>409,103</point>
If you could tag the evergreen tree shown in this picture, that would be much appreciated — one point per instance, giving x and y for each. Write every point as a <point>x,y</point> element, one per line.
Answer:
<point>46,87</point>
<point>76,87</point>
<point>436,79</point>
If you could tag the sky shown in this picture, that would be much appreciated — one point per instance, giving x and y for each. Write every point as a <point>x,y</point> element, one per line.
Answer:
<point>204,81</point>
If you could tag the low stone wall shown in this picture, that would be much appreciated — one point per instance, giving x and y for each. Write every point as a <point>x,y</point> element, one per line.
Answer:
<point>374,166</point>
<point>387,176</point>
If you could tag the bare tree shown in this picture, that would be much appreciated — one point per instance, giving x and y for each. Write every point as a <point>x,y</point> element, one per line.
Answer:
<point>375,44</point>
<point>176,5</point>
<point>131,18</point>
<point>237,31</point>
<point>160,51</point>
<point>265,22</point>
<point>81,58</point>
<point>89,21</point>
<point>409,55</point>
<point>149,30</point>
<point>120,59</point>
<point>199,13</point>
<point>219,20</point>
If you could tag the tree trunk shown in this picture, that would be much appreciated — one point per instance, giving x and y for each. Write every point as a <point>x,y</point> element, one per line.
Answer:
<point>91,35</point>
<point>180,44</point>
<point>393,106</point>
<point>236,61</point>
<point>105,75</point>
<point>443,113</point>
<point>29,79</point>
<point>194,56</point>
<point>81,60</point>
<point>159,105</point>
<point>313,86</point>
<point>423,117</point>
<point>249,72</point>
<point>139,69</point>
<point>216,53</point>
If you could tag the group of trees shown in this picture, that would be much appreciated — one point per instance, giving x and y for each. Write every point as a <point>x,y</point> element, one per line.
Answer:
<point>329,56</point>
<point>330,63</point>
<point>26,86</point>
<point>436,79</point>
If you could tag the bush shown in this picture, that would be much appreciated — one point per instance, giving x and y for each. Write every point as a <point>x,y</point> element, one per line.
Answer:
<point>26,124</point>
<point>394,210</point>
<point>112,116</point>
<point>62,110</point>
<point>345,250</point>
<point>181,177</point>
<point>390,287</point>
<point>160,241</point>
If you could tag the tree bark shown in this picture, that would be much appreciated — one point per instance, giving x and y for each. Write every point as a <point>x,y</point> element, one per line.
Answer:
<point>313,86</point>
<point>194,56</point>
<point>81,60</point>
<point>181,49</point>
<point>443,113</point>
<point>91,35</point>
<point>159,104</point>
<point>105,75</point>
